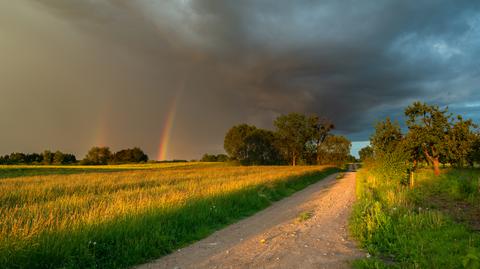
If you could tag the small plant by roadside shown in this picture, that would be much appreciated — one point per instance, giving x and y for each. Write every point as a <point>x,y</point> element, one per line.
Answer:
<point>304,216</point>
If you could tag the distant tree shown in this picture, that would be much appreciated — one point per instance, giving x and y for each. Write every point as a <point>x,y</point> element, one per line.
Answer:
<point>321,130</point>
<point>47,157</point>
<point>386,137</point>
<point>295,133</point>
<point>335,150</point>
<point>260,148</point>
<point>135,155</point>
<point>98,156</point>
<point>214,158</point>
<point>17,158</point>
<point>429,128</point>
<point>33,158</point>
<point>234,142</point>
<point>69,158</point>
<point>365,153</point>
<point>58,157</point>
<point>222,158</point>
<point>209,158</point>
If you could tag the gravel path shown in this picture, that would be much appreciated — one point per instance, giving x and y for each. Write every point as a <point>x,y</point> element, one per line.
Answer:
<point>305,230</point>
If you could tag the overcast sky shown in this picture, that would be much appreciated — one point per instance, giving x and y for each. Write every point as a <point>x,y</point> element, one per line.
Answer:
<point>79,73</point>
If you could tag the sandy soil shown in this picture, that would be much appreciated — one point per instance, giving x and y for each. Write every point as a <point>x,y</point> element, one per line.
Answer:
<point>277,237</point>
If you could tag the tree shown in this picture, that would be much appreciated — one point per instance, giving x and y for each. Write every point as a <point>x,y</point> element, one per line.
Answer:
<point>260,148</point>
<point>365,153</point>
<point>234,142</point>
<point>97,156</point>
<point>335,150</point>
<point>58,157</point>
<point>474,154</point>
<point>386,137</point>
<point>209,158</point>
<point>321,130</point>
<point>69,159</point>
<point>47,157</point>
<point>135,155</point>
<point>214,158</point>
<point>460,141</point>
<point>429,126</point>
<point>33,158</point>
<point>294,133</point>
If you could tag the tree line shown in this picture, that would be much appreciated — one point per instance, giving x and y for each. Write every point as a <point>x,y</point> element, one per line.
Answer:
<point>297,139</point>
<point>434,136</point>
<point>95,156</point>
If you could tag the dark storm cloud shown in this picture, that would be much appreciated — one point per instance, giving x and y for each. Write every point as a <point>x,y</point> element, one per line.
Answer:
<point>243,61</point>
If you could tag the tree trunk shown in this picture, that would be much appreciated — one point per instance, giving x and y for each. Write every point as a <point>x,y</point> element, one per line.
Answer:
<point>412,180</point>
<point>436,166</point>
<point>294,159</point>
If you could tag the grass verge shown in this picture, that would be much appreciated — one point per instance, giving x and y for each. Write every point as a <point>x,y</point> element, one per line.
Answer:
<point>410,228</point>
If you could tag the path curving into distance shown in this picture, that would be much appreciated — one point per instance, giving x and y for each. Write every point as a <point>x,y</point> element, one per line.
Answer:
<point>306,230</point>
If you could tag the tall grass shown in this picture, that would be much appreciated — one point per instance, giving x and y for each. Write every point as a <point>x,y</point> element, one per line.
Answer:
<point>10,171</point>
<point>119,219</point>
<point>400,229</point>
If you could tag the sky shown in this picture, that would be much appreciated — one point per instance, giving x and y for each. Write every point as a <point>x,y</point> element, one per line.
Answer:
<point>172,76</point>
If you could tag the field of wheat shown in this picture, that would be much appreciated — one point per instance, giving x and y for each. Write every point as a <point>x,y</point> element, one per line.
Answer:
<point>130,214</point>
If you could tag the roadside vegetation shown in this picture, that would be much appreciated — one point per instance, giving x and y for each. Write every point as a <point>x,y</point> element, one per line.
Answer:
<point>410,212</point>
<point>115,220</point>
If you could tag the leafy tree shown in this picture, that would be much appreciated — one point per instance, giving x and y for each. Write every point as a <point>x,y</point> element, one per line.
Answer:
<point>135,155</point>
<point>260,148</point>
<point>214,158</point>
<point>209,158</point>
<point>295,132</point>
<point>386,137</point>
<point>321,130</point>
<point>460,140</point>
<point>222,158</point>
<point>17,158</point>
<point>69,158</point>
<point>98,156</point>
<point>234,142</point>
<point>365,153</point>
<point>335,150</point>
<point>474,154</point>
<point>33,158</point>
<point>429,128</point>
<point>47,157</point>
<point>58,157</point>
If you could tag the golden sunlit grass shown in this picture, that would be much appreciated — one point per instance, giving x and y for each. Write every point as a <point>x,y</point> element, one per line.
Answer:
<point>155,208</point>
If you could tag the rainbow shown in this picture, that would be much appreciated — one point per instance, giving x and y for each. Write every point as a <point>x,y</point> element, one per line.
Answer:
<point>167,130</point>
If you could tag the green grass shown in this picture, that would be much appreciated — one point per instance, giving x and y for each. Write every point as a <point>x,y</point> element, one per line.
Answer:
<point>116,220</point>
<point>404,228</point>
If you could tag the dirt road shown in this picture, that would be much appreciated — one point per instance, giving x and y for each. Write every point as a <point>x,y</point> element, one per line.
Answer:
<point>305,230</point>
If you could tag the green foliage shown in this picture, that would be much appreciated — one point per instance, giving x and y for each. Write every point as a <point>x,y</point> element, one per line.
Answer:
<point>365,153</point>
<point>234,142</point>
<point>252,146</point>
<point>400,229</point>
<point>261,148</point>
<point>135,155</point>
<point>97,156</point>
<point>214,158</point>
<point>386,137</point>
<point>334,150</point>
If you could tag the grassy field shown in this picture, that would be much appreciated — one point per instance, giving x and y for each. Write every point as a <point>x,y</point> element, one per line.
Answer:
<point>434,225</point>
<point>11,171</point>
<point>113,220</point>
